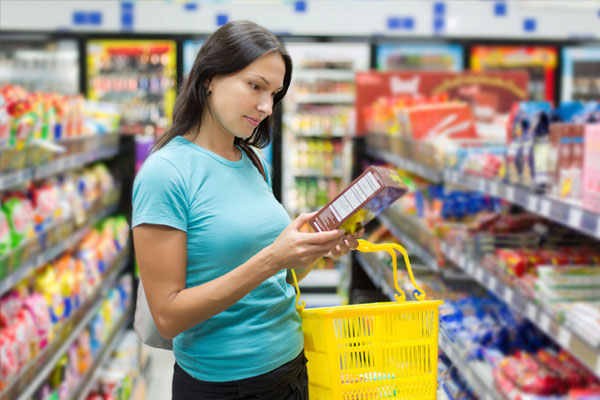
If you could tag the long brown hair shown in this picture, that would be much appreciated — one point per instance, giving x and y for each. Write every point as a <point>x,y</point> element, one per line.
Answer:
<point>228,50</point>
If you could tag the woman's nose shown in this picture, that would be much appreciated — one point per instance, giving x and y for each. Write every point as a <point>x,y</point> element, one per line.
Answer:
<point>266,107</point>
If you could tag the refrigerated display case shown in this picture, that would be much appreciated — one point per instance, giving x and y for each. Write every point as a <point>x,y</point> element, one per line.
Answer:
<point>539,61</point>
<point>190,51</point>
<point>317,145</point>
<point>140,75</point>
<point>581,73</point>
<point>420,56</point>
<point>40,64</point>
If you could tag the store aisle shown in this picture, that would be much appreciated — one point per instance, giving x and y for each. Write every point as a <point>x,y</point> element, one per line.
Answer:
<point>160,374</point>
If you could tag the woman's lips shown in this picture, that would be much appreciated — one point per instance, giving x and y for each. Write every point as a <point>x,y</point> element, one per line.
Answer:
<point>252,121</point>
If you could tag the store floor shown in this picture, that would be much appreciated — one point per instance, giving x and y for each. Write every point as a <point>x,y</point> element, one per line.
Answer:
<point>160,374</point>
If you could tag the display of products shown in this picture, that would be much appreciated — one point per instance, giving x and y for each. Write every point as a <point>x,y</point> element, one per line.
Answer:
<point>422,56</point>
<point>137,74</point>
<point>540,62</point>
<point>34,313</point>
<point>40,65</point>
<point>47,212</point>
<point>71,369</point>
<point>580,67</point>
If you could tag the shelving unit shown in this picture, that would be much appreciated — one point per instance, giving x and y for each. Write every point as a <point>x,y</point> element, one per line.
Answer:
<point>559,211</point>
<point>33,375</point>
<point>568,214</point>
<point>570,339</point>
<point>114,339</point>
<point>17,178</point>
<point>45,257</point>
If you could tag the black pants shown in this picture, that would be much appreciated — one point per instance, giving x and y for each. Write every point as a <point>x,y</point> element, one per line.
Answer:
<point>288,382</point>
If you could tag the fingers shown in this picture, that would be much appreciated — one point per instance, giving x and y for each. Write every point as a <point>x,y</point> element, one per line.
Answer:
<point>351,241</point>
<point>302,219</point>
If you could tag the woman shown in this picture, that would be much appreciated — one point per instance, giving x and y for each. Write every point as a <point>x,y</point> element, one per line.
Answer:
<point>213,245</point>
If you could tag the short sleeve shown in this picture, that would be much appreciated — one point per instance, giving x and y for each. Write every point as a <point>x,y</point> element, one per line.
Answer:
<point>159,195</point>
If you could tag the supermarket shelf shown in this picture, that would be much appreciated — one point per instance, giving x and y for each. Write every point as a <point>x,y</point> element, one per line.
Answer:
<point>426,172</point>
<point>568,338</point>
<point>16,178</point>
<point>37,370</point>
<point>482,387</point>
<point>55,167</point>
<point>53,252</point>
<point>114,339</point>
<point>482,384</point>
<point>325,98</point>
<point>321,278</point>
<point>571,215</point>
<point>318,134</point>
<point>413,248</point>
<point>563,212</point>
<point>319,74</point>
<point>316,173</point>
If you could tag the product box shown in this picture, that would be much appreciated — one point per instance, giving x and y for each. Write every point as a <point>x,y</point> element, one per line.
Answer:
<point>566,159</point>
<point>435,121</point>
<point>367,196</point>
<point>591,168</point>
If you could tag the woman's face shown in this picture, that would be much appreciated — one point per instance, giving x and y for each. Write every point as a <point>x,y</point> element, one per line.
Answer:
<point>240,101</point>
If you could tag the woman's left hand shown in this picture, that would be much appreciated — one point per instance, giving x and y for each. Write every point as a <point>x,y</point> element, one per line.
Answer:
<point>349,242</point>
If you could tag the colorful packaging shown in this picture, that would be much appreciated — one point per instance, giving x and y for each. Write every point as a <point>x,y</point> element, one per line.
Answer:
<point>591,168</point>
<point>365,198</point>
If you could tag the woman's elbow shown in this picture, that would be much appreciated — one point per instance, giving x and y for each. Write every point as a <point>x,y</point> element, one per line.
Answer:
<point>166,328</point>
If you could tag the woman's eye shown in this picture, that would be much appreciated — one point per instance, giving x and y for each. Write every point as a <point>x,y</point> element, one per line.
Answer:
<point>254,86</point>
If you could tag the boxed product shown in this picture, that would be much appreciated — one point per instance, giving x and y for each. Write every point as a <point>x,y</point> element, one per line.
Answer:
<point>367,196</point>
<point>566,147</point>
<point>435,121</point>
<point>591,168</point>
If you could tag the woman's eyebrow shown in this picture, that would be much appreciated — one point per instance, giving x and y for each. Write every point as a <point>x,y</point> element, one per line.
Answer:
<point>265,80</point>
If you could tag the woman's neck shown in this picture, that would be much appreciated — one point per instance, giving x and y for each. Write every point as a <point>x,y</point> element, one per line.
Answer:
<point>213,137</point>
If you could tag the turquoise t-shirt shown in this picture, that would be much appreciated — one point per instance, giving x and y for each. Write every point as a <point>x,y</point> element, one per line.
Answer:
<point>230,214</point>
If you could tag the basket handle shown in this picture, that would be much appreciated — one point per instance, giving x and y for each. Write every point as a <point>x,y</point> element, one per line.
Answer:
<point>368,247</point>
<point>390,248</point>
<point>299,306</point>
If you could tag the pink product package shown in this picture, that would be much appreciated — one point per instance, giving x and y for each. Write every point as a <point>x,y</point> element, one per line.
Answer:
<point>591,168</point>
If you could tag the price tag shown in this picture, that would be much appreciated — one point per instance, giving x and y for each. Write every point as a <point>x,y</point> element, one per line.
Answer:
<point>494,188</point>
<point>545,322</point>
<point>531,311</point>
<point>469,267</point>
<point>510,193</point>
<point>461,260</point>
<point>564,337</point>
<point>9,181</point>
<point>575,217</point>
<point>598,366</point>
<point>509,294</point>
<point>481,185</point>
<point>493,283</point>
<point>545,207</point>
<point>479,274</point>
<point>532,203</point>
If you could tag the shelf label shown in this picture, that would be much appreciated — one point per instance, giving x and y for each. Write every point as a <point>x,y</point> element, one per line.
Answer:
<point>564,337</point>
<point>493,188</point>
<point>545,207</point>
<point>531,311</point>
<point>545,322</point>
<point>493,283</point>
<point>481,185</point>
<point>575,217</point>
<point>510,193</point>
<point>509,295</point>
<point>479,274</point>
<point>470,267</point>
<point>461,259</point>
<point>598,366</point>
<point>532,203</point>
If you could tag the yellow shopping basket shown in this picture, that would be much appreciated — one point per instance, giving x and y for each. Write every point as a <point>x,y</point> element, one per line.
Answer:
<point>373,351</point>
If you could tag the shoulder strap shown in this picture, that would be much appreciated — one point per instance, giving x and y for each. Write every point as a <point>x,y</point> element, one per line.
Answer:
<point>254,157</point>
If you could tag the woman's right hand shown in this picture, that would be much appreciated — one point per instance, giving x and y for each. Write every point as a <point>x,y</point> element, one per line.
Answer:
<point>296,249</point>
